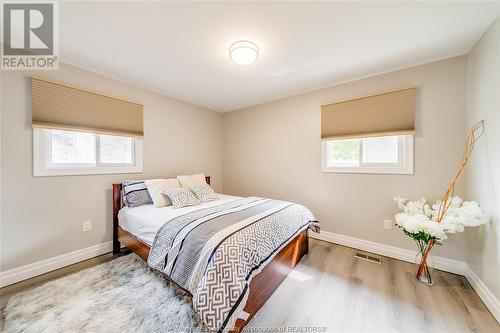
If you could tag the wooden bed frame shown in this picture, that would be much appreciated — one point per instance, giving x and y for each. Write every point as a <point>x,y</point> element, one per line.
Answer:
<point>262,285</point>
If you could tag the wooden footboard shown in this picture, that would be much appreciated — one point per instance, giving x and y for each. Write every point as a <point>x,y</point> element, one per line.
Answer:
<point>268,280</point>
<point>262,285</point>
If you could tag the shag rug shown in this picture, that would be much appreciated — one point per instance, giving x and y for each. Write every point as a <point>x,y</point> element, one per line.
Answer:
<point>122,295</point>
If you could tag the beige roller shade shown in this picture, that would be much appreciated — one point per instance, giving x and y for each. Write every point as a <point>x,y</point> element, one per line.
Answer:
<point>59,106</point>
<point>391,113</point>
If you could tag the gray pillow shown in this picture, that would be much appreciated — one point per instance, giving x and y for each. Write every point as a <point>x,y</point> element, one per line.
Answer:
<point>204,192</point>
<point>181,197</point>
<point>135,193</point>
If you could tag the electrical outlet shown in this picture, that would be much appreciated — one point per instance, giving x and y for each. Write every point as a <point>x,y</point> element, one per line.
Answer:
<point>387,224</point>
<point>87,225</point>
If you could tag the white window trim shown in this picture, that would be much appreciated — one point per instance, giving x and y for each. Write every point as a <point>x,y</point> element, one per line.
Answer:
<point>404,167</point>
<point>42,164</point>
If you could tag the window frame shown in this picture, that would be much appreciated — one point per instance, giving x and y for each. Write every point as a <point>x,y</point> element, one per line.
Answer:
<point>42,154</point>
<point>404,165</point>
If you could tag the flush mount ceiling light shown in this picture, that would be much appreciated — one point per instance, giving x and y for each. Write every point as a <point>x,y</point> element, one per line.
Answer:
<point>243,52</point>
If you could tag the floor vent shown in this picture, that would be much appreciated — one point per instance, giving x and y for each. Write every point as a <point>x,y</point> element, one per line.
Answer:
<point>367,257</point>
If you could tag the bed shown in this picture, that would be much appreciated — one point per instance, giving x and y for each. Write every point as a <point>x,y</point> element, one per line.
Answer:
<point>143,229</point>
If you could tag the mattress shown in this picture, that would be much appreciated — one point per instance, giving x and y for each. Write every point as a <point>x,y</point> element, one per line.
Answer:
<point>144,221</point>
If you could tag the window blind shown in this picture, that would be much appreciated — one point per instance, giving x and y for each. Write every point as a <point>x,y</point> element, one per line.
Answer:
<point>391,113</point>
<point>58,106</point>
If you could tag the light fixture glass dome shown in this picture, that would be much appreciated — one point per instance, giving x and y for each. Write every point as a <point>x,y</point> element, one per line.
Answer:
<point>244,52</point>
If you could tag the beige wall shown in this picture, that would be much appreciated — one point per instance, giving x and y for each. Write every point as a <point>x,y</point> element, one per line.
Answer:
<point>269,150</point>
<point>483,173</point>
<point>274,150</point>
<point>42,216</point>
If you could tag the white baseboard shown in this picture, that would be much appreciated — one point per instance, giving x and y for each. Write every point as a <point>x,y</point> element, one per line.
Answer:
<point>491,302</point>
<point>40,267</point>
<point>444,264</point>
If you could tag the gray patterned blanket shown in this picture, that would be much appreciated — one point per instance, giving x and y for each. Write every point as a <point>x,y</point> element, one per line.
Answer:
<point>213,253</point>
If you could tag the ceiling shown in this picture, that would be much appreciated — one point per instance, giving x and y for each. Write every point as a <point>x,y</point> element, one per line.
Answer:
<point>180,49</point>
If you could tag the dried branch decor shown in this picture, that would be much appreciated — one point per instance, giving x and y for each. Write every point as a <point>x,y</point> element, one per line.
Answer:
<point>474,134</point>
<point>428,225</point>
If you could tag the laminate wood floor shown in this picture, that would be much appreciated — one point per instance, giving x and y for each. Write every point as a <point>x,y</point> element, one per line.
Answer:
<point>331,291</point>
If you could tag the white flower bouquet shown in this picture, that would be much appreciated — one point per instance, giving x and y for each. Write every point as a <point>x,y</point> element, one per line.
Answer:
<point>429,224</point>
<point>419,220</point>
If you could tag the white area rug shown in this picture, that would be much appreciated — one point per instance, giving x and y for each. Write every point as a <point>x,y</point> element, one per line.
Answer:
<point>122,295</point>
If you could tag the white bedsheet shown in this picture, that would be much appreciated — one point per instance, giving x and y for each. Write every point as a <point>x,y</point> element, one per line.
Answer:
<point>144,221</point>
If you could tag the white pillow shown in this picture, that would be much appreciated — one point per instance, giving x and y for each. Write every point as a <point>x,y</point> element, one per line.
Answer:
<point>204,192</point>
<point>186,181</point>
<point>156,186</point>
<point>181,197</point>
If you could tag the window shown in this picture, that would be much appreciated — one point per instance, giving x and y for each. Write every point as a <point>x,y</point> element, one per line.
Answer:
<point>58,152</point>
<point>115,150</point>
<point>385,154</point>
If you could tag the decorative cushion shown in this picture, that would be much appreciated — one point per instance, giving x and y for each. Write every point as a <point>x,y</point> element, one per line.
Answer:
<point>135,193</point>
<point>186,181</point>
<point>204,192</point>
<point>156,186</point>
<point>181,197</point>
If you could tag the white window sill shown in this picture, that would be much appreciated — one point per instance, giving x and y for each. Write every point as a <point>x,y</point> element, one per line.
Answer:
<point>375,170</point>
<point>85,171</point>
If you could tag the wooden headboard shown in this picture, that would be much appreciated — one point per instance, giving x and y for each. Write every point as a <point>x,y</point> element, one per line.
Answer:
<point>117,204</point>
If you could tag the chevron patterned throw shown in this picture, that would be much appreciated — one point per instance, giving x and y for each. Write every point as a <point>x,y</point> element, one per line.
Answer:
<point>213,253</point>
